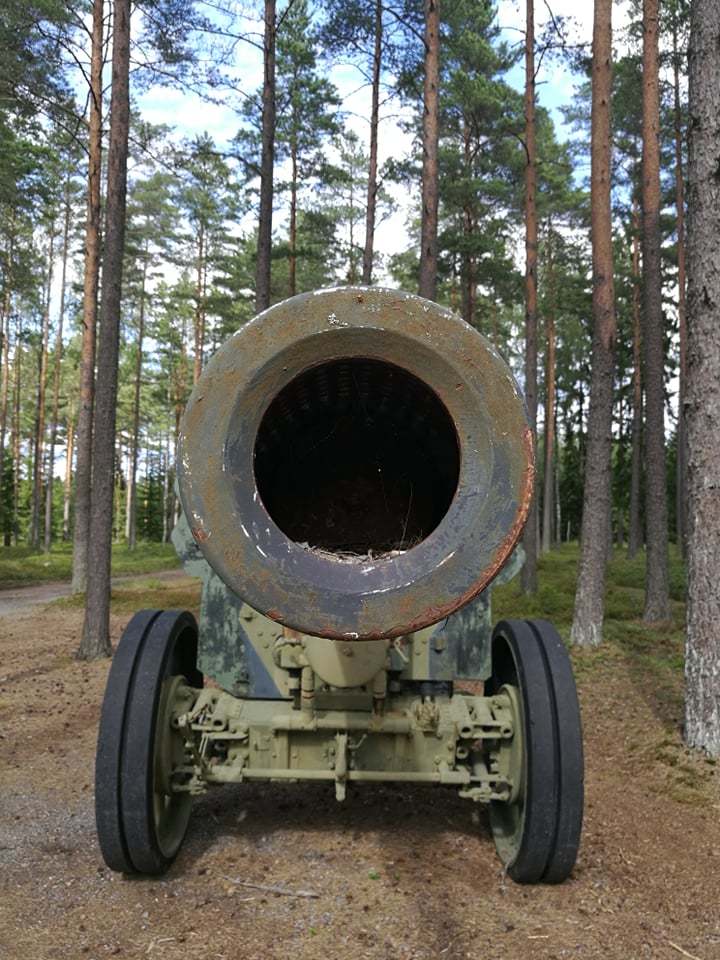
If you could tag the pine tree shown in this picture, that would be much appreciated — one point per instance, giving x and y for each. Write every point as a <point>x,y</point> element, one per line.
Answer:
<point>95,640</point>
<point>84,431</point>
<point>590,595</point>
<point>702,660</point>
<point>427,285</point>
<point>267,161</point>
<point>657,599</point>
<point>307,117</point>
<point>152,226</point>
<point>357,29</point>
<point>530,534</point>
<point>208,198</point>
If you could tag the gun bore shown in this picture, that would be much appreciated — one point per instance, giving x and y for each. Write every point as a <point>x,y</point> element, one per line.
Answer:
<point>357,456</point>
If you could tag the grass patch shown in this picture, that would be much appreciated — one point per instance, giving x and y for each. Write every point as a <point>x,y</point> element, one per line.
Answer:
<point>21,565</point>
<point>652,656</point>
<point>144,595</point>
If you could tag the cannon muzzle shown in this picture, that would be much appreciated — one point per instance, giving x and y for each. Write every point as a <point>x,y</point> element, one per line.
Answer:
<point>356,463</point>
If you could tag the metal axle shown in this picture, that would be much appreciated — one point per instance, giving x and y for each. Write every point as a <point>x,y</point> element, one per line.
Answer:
<point>467,741</point>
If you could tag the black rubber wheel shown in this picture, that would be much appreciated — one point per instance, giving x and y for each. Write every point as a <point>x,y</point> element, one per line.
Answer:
<point>569,752</point>
<point>524,830</point>
<point>140,823</point>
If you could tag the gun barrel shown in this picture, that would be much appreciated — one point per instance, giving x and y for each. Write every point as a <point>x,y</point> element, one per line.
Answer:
<point>356,463</point>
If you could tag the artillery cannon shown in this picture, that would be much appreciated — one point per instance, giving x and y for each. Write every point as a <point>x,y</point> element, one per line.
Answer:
<point>355,468</point>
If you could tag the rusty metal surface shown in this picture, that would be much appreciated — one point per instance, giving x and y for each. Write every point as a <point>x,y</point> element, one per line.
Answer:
<point>313,591</point>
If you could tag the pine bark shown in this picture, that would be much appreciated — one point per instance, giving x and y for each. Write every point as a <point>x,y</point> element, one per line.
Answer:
<point>83,444</point>
<point>352,266</point>
<point>372,189</point>
<point>635,534</point>
<point>95,640</point>
<point>468,278</point>
<point>292,266</point>
<point>57,358</point>
<point>530,535</point>
<point>558,505</point>
<point>39,445</point>
<point>67,485</point>
<point>657,602</point>
<point>702,659</point>
<point>681,476</point>
<point>132,472</point>
<point>16,427</point>
<point>199,319</point>
<point>262,271</point>
<point>430,171</point>
<point>620,535</point>
<point>587,623</point>
<point>167,490</point>
<point>549,438</point>
<point>5,356</point>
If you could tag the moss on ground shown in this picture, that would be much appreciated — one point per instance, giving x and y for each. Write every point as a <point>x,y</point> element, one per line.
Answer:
<point>21,565</point>
<point>652,655</point>
<point>144,594</point>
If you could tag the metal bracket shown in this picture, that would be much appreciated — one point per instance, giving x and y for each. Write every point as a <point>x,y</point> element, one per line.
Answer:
<point>341,765</point>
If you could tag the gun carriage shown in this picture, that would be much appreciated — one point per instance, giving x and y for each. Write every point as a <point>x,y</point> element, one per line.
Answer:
<point>355,469</point>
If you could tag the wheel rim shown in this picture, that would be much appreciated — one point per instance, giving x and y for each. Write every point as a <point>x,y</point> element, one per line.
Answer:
<point>171,808</point>
<point>524,830</point>
<point>507,819</point>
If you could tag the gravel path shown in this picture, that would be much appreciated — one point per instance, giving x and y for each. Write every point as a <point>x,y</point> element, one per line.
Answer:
<point>25,599</point>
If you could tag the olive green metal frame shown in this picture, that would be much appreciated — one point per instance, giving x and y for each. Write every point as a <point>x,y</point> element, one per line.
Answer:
<point>470,742</point>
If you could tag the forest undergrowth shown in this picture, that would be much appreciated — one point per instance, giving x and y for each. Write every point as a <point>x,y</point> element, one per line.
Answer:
<point>23,565</point>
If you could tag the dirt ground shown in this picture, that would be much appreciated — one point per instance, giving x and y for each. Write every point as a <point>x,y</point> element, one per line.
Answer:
<point>396,873</point>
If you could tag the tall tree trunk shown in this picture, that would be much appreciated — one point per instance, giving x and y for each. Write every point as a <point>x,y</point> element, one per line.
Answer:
<point>620,471</point>
<point>95,640</point>
<point>702,655</point>
<point>199,320</point>
<point>5,351</point>
<point>657,602</point>
<point>5,334</point>
<point>681,477</point>
<point>467,268</point>
<point>549,439</point>
<point>132,472</point>
<point>558,505</point>
<point>167,487</point>
<point>352,268</point>
<point>16,426</point>
<point>431,122</point>
<point>117,496</point>
<point>373,164</point>
<point>635,535</point>
<point>530,539</point>
<point>67,485</point>
<point>83,460</point>
<point>40,412</point>
<point>590,595</point>
<point>56,376</point>
<point>262,272</point>
<point>292,265</point>
<point>180,385</point>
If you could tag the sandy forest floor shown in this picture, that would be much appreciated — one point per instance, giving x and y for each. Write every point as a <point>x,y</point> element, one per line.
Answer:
<point>399,873</point>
